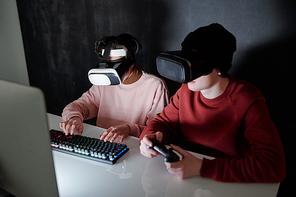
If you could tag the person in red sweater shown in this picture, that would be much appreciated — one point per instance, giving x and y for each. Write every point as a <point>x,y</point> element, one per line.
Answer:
<point>221,116</point>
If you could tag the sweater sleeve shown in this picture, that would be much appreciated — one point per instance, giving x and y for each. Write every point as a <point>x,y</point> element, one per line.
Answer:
<point>265,163</point>
<point>161,99</point>
<point>166,122</point>
<point>84,107</point>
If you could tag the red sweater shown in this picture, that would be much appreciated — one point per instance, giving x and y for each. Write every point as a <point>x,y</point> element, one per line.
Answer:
<point>236,123</point>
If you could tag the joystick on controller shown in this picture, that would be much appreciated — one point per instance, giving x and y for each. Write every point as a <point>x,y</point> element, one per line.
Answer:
<point>169,155</point>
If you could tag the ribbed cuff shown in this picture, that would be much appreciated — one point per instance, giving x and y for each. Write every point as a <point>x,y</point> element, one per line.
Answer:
<point>207,168</point>
<point>135,130</point>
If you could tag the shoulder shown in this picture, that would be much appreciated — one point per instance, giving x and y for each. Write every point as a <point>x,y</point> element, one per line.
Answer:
<point>152,77</point>
<point>152,80</point>
<point>244,91</point>
<point>184,93</point>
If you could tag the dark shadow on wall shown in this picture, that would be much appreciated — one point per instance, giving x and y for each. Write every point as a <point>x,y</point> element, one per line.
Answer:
<point>271,68</point>
<point>151,33</point>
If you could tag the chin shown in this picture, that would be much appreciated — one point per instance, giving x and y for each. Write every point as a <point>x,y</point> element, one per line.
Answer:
<point>192,88</point>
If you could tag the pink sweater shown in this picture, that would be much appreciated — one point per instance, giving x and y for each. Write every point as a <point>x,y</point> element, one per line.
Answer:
<point>134,104</point>
<point>236,123</point>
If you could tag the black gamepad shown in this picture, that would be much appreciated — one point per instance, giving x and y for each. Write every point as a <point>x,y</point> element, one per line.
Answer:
<point>169,155</point>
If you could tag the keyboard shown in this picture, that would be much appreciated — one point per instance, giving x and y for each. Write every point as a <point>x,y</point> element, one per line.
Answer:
<point>87,147</point>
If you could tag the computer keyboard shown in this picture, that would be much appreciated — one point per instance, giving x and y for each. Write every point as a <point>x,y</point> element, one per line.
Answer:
<point>87,147</point>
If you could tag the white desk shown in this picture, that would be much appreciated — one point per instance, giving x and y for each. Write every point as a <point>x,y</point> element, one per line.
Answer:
<point>136,175</point>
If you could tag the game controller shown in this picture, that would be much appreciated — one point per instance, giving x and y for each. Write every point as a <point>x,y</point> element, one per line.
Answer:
<point>169,155</point>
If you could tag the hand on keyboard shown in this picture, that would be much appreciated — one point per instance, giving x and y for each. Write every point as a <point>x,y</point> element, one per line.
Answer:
<point>73,126</point>
<point>121,131</point>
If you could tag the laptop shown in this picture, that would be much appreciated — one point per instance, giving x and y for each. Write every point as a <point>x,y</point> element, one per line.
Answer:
<point>26,163</point>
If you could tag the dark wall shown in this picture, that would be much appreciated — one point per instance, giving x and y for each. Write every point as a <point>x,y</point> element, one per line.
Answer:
<point>59,39</point>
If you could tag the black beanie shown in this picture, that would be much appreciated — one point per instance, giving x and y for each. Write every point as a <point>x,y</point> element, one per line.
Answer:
<point>215,43</point>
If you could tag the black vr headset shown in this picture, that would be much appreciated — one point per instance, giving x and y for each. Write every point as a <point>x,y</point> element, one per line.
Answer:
<point>110,72</point>
<point>183,66</point>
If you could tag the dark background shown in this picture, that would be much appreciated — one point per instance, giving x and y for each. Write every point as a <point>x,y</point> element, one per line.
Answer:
<point>59,41</point>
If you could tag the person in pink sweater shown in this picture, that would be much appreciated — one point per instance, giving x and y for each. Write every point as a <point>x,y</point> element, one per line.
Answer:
<point>123,109</point>
<point>221,116</point>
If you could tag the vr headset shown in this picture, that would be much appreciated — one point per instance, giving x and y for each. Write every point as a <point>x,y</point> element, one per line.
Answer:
<point>183,66</point>
<point>109,72</point>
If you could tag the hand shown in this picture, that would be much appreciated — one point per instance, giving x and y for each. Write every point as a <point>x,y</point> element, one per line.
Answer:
<point>188,167</point>
<point>73,125</point>
<point>146,141</point>
<point>112,133</point>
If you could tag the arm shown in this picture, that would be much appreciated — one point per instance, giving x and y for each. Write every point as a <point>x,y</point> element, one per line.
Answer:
<point>264,163</point>
<point>85,107</point>
<point>77,111</point>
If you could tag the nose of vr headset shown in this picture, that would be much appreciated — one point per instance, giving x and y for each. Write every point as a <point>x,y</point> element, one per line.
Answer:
<point>181,67</point>
<point>106,76</point>
<point>109,72</point>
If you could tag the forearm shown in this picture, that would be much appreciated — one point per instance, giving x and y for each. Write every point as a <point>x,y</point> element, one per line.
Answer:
<point>136,129</point>
<point>83,107</point>
<point>249,169</point>
<point>158,124</point>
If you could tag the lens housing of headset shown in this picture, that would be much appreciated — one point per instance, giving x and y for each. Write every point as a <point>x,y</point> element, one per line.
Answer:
<point>182,66</point>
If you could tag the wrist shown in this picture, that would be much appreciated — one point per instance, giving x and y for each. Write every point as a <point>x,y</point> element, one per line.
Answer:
<point>134,130</point>
<point>76,117</point>
<point>130,129</point>
<point>200,161</point>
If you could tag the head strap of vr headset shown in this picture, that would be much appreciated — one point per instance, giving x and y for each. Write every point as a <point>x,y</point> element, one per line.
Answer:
<point>103,62</point>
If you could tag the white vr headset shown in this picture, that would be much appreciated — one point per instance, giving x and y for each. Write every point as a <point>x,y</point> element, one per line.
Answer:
<point>109,72</point>
<point>107,76</point>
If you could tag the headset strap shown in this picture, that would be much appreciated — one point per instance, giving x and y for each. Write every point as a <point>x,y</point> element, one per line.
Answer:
<point>105,57</point>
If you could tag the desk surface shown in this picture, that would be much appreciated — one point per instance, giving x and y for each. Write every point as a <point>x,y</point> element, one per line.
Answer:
<point>136,175</point>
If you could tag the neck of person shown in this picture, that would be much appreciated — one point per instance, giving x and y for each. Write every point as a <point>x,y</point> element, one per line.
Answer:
<point>132,75</point>
<point>216,89</point>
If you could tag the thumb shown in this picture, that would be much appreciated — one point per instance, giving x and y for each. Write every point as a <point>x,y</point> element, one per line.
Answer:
<point>179,150</point>
<point>159,136</point>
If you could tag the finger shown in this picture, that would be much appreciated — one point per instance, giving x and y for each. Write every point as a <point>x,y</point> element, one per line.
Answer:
<point>159,136</point>
<point>104,134</point>
<point>78,127</point>
<point>114,137</point>
<point>67,127</point>
<point>173,165</point>
<point>122,137</point>
<point>179,150</point>
<point>80,131</point>
<point>144,151</point>
<point>146,140</point>
<point>109,135</point>
<point>169,166</point>
<point>72,129</point>
<point>62,125</point>
<point>147,152</point>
